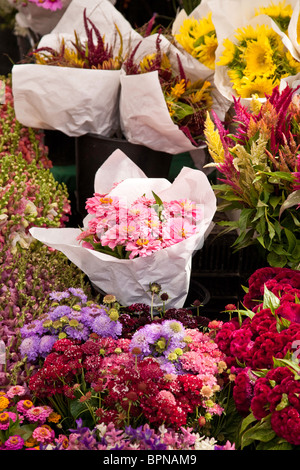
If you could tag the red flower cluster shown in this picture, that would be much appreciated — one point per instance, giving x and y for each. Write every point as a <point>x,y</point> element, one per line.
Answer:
<point>128,385</point>
<point>278,393</point>
<point>254,343</point>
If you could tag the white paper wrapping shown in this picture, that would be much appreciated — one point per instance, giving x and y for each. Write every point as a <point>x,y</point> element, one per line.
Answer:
<point>38,19</point>
<point>292,30</point>
<point>73,101</point>
<point>129,280</point>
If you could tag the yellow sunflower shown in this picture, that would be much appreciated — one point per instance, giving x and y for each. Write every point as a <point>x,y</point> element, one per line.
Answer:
<point>258,56</point>
<point>280,13</point>
<point>260,86</point>
<point>198,38</point>
<point>206,53</point>
<point>228,53</point>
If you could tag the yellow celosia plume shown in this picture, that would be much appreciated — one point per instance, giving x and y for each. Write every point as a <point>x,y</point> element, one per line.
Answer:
<point>213,139</point>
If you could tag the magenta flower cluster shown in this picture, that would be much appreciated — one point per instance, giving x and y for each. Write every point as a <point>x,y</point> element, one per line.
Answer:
<point>262,342</point>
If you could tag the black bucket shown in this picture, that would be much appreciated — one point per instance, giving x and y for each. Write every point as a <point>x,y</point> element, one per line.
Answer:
<point>91,152</point>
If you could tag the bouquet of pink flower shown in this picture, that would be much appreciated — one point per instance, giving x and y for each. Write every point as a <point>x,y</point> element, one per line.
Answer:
<point>140,228</point>
<point>131,238</point>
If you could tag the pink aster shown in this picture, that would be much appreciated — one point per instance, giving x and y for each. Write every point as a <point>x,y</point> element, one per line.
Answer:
<point>177,229</point>
<point>143,247</point>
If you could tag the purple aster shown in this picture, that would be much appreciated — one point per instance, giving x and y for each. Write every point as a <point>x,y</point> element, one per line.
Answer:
<point>60,311</point>
<point>145,337</point>
<point>78,292</point>
<point>33,328</point>
<point>105,327</point>
<point>30,347</point>
<point>79,332</point>
<point>46,344</point>
<point>90,313</point>
<point>59,295</point>
<point>173,329</point>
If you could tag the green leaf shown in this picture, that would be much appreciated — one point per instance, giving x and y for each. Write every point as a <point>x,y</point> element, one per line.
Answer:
<point>182,110</point>
<point>293,199</point>
<point>279,174</point>
<point>292,240</point>
<point>270,300</point>
<point>157,199</point>
<point>277,261</point>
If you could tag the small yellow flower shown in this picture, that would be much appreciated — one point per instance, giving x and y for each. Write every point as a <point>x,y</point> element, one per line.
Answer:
<point>113,314</point>
<point>54,417</point>
<point>178,90</point>
<point>228,52</point>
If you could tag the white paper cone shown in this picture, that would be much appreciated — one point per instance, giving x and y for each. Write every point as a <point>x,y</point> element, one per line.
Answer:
<point>73,101</point>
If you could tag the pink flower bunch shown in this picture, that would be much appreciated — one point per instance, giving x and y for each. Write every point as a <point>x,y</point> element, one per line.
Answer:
<point>22,424</point>
<point>138,229</point>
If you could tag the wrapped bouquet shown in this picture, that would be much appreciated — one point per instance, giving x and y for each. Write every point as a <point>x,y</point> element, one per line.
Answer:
<point>139,231</point>
<point>181,103</point>
<point>254,51</point>
<point>76,76</point>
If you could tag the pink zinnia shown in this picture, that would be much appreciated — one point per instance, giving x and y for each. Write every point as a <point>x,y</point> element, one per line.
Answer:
<point>17,390</point>
<point>43,434</point>
<point>38,413</point>
<point>14,443</point>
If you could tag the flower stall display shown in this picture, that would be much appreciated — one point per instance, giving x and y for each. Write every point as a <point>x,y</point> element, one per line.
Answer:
<point>29,197</point>
<point>254,53</point>
<point>23,425</point>
<point>128,279</point>
<point>259,175</point>
<point>262,348</point>
<point>27,279</point>
<point>82,69</point>
<point>195,36</point>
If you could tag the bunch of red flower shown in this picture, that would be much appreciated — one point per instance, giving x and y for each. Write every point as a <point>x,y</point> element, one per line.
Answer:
<point>256,342</point>
<point>128,385</point>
